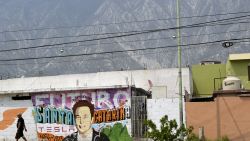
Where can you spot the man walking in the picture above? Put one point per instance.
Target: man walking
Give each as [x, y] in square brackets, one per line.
[20, 127]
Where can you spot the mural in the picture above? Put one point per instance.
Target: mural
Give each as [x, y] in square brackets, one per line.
[89, 115]
[9, 116]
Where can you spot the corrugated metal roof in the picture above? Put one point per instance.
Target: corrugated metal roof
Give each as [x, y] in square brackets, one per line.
[243, 56]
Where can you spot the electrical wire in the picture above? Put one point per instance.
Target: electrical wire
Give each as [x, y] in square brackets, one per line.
[126, 22]
[130, 34]
[99, 58]
[82, 35]
[120, 51]
[113, 56]
[110, 33]
[151, 39]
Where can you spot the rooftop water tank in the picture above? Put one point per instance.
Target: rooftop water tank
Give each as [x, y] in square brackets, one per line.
[231, 83]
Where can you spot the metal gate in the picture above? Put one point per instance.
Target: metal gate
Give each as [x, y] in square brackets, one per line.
[139, 115]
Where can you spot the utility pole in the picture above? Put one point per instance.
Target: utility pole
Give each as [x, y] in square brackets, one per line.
[179, 60]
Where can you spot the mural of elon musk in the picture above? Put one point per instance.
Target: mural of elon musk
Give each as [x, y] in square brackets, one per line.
[83, 112]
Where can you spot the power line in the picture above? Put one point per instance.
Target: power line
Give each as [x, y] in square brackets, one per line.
[154, 39]
[99, 58]
[215, 24]
[110, 33]
[213, 21]
[126, 22]
[59, 37]
[130, 34]
[120, 55]
[118, 51]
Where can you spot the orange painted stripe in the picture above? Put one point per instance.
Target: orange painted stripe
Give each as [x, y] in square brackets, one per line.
[49, 137]
[9, 116]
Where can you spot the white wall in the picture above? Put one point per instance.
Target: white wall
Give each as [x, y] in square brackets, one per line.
[139, 78]
[8, 134]
[157, 108]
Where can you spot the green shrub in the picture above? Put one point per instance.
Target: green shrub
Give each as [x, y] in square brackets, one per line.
[224, 138]
[170, 131]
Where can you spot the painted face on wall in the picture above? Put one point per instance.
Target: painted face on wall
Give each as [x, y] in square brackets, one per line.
[83, 119]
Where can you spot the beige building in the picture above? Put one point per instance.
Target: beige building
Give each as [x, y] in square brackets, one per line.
[228, 115]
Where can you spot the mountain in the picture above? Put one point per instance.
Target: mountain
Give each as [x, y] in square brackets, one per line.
[98, 16]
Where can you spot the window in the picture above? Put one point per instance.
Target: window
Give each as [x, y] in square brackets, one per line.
[21, 97]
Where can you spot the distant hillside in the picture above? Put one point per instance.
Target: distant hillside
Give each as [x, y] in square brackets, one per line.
[30, 14]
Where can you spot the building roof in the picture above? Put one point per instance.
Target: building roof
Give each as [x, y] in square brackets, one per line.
[100, 80]
[243, 56]
[241, 93]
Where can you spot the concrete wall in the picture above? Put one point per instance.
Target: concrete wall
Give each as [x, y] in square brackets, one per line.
[227, 115]
[43, 114]
[203, 78]
[139, 78]
[157, 108]
[239, 68]
[205, 74]
[8, 111]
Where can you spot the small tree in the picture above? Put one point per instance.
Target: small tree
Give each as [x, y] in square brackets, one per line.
[224, 138]
[169, 131]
